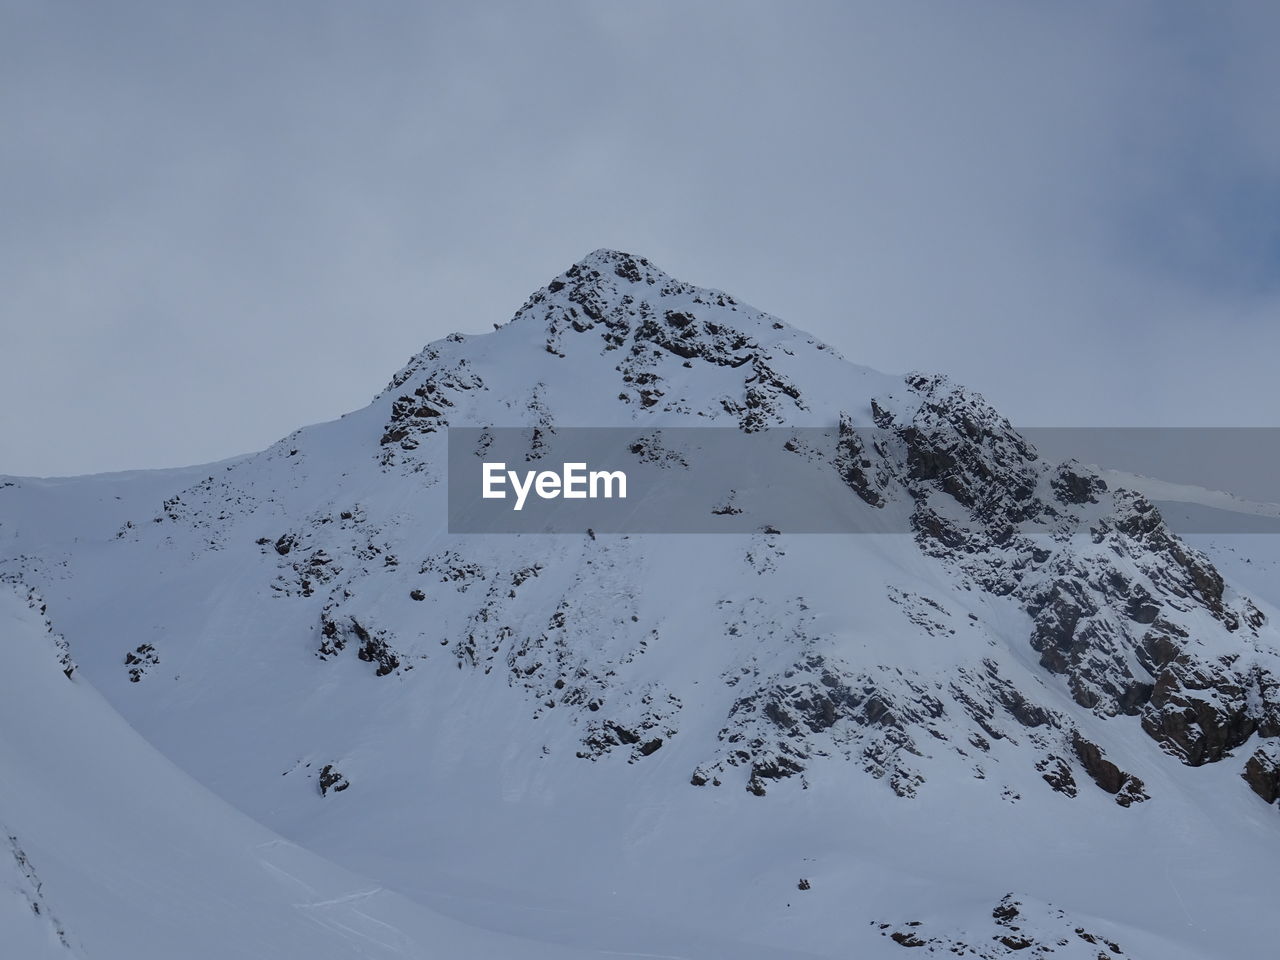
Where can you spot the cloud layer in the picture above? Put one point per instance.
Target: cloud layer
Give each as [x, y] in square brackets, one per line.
[221, 225]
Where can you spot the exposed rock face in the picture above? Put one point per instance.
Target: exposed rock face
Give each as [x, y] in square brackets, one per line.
[855, 466]
[1127, 788]
[816, 707]
[623, 299]
[1262, 771]
[372, 647]
[1118, 603]
[425, 410]
[1073, 485]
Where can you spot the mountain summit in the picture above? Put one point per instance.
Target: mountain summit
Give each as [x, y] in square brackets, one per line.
[1036, 723]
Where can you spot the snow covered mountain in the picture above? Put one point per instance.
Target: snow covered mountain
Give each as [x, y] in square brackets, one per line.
[1038, 723]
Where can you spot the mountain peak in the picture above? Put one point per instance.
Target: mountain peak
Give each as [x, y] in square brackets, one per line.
[620, 308]
[616, 339]
[630, 301]
[614, 270]
[618, 260]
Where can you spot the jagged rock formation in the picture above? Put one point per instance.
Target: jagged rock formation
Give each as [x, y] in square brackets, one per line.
[1120, 615]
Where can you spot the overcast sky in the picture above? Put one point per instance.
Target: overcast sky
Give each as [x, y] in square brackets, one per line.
[222, 221]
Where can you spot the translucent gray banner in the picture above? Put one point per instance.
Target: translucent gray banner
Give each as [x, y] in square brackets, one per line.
[814, 480]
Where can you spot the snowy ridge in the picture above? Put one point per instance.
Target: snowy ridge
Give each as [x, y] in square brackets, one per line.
[645, 744]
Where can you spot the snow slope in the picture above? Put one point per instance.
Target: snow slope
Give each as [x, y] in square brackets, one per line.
[1028, 724]
[109, 850]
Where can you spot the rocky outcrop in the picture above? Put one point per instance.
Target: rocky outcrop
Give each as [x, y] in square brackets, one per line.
[1016, 927]
[817, 707]
[625, 304]
[1262, 771]
[424, 410]
[1119, 604]
[372, 646]
[331, 780]
[140, 660]
[856, 468]
[1126, 788]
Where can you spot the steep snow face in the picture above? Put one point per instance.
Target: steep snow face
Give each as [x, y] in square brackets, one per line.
[646, 743]
[107, 850]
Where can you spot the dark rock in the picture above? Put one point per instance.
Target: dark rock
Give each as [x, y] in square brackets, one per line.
[331, 779]
[1262, 773]
[1073, 485]
[1058, 775]
[138, 661]
[855, 467]
[1127, 788]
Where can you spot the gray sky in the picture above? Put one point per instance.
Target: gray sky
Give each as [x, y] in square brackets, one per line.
[223, 221]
